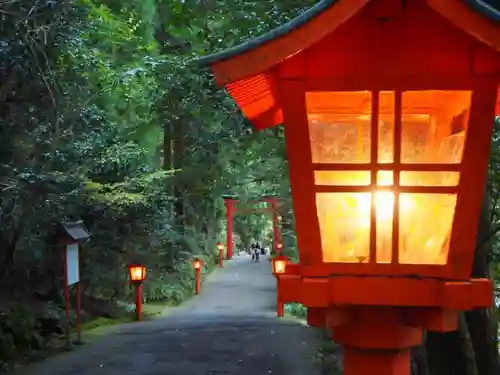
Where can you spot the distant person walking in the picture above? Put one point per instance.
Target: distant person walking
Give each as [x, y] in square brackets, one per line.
[255, 252]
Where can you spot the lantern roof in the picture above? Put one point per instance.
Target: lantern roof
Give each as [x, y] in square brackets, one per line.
[245, 69]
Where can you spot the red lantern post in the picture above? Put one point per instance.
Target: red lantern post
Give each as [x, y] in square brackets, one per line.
[279, 264]
[197, 266]
[388, 147]
[137, 275]
[220, 247]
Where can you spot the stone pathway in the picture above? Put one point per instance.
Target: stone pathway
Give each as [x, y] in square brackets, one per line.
[229, 329]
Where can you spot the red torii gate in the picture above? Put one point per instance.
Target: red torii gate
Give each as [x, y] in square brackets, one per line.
[231, 210]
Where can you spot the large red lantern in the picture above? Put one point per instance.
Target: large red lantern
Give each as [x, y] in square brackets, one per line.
[388, 120]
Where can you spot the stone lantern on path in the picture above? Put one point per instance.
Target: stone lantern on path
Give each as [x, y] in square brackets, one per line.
[388, 111]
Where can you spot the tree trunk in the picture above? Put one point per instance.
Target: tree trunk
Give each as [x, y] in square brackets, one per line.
[473, 349]
[451, 353]
[419, 361]
[483, 326]
[179, 188]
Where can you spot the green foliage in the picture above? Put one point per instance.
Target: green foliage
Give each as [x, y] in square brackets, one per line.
[329, 356]
[18, 332]
[102, 119]
[296, 309]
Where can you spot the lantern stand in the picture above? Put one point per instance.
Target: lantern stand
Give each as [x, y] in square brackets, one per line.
[220, 247]
[279, 264]
[197, 266]
[70, 234]
[137, 275]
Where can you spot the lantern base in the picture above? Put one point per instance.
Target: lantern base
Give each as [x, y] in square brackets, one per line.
[383, 291]
[376, 361]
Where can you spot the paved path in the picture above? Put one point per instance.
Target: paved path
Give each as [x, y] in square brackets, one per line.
[230, 329]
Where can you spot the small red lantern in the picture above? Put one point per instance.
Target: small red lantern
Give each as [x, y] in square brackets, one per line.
[388, 149]
[137, 275]
[220, 247]
[279, 265]
[197, 266]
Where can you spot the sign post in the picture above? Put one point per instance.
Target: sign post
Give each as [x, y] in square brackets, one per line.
[70, 235]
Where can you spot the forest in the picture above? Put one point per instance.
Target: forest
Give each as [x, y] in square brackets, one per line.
[104, 119]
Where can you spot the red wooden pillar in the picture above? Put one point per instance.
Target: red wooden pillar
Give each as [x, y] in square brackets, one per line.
[376, 362]
[229, 219]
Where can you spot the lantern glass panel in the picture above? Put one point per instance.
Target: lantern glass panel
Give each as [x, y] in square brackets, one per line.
[433, 131]
[344, 220]
[342, 178]
[433, 126]
[386, 110]
[137, 273]
[339, 126]
[424, 234]
[429, 178]
[279, 266]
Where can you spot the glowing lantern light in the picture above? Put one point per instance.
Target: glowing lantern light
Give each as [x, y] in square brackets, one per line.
[197, 266]
[220, 247]
[137, 275]
[388, 148]
[279, 264]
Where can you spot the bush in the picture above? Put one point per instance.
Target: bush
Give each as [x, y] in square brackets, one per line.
[19, 332]
[296, 309]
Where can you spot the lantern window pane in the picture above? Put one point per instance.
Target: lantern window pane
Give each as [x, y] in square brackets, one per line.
[339, 126]
[429, 178]
[434, 125]
[384, 208]
[385, 178]
[386, 114]
[344, 220]
[425, 223]
[342, 178]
